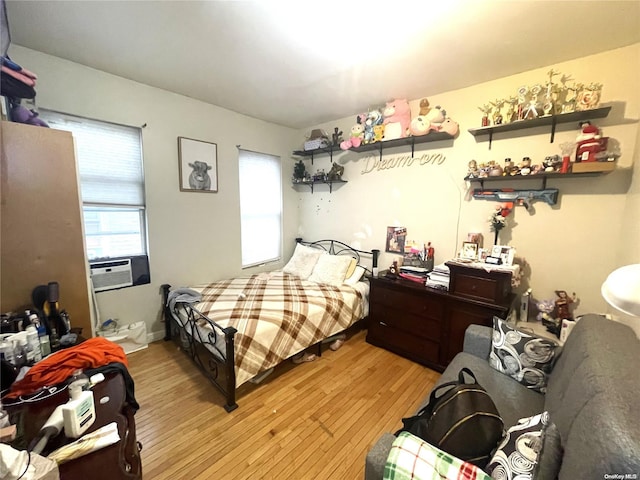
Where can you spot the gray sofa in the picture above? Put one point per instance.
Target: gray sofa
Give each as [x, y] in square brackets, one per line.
[593, 397]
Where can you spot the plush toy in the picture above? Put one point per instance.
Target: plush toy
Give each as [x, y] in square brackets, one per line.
[374, 118]
[449, 126]
[437, 114]
[378, 133]
[356, 134]
[420, 126]
[424, 107]
[21, 114]
[589, 143]
[397, 119]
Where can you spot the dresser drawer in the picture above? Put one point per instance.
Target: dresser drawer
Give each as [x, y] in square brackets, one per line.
[405, 344]
[407, 301]
[398, 318]
[492, 287]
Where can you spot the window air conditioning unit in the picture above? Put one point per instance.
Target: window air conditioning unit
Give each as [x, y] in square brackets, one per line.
[111, 274]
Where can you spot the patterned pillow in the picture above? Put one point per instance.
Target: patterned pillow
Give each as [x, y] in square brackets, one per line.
[413, 458]
[330, 269]
[524, 357]
[302, 261]
[519, 453]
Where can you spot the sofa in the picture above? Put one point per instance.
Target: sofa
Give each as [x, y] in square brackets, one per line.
[593, 398]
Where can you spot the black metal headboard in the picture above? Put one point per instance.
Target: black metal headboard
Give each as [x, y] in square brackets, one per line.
[335, 247]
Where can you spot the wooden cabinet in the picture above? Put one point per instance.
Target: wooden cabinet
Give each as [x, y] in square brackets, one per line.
[41, 237]
[425, 324]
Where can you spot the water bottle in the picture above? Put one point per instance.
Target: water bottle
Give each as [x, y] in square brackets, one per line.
[45, 346]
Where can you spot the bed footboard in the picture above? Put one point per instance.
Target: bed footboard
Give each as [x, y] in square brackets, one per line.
[209, 346]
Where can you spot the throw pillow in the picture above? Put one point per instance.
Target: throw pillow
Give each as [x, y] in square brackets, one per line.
[330, 269]
[519, 453]
[302, 261]
[413, 458]
[355, 277]
[525, 357]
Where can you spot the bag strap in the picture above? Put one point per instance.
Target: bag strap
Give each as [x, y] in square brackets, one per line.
[468, 372]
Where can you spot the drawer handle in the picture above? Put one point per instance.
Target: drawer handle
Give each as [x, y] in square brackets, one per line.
[473, 287]
[382, 324]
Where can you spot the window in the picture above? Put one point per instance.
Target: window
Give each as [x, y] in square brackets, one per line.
[111, 183]
[260, 207]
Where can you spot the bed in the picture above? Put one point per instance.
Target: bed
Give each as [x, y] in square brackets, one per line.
[237, 330]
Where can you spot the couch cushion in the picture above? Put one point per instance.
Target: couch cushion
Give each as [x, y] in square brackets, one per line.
[513, 400]
[525, 357]
[592, 398]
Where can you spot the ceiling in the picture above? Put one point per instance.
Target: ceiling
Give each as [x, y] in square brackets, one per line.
[304, 63]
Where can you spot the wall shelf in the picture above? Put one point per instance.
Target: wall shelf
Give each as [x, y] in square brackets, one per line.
[321, 182]
[400, 142]
[539, 177]
[379, 146]
[318, 151]
[552, 120]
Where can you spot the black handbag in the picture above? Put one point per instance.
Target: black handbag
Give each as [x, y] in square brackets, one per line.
[460, 419]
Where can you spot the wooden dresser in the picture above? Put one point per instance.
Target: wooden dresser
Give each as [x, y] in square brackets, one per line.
[425, 324]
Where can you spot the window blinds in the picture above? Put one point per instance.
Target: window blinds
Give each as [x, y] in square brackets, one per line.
[111, 159]
[260, 207]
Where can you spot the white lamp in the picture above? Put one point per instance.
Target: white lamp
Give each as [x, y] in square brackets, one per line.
[621, 289]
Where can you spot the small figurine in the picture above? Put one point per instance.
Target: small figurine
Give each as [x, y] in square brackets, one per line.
[393, 269]
[424, 107]
[525, 166]
[562, 305]
[485, 109]
[472, 171]
[336, 137]
[336, 172]
[299, 172]
[497, 112]
[508, 167]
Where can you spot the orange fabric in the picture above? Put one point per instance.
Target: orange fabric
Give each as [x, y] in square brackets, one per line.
[56, 368]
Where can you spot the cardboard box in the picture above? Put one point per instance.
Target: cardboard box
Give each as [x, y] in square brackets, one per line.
[592, 167]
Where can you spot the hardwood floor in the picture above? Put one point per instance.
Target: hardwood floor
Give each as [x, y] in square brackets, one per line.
[315, 420]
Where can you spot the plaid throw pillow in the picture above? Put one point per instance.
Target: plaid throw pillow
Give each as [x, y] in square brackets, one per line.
[411, 458]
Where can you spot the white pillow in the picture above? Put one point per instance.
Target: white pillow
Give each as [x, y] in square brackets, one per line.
[355, 276]
[303, 260]
[330, 269]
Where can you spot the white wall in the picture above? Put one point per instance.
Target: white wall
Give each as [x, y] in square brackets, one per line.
[570, 246]
[193, 237]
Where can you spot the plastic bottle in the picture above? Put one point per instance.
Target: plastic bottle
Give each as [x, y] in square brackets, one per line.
[79, 380]
[7, 351]
[34, 342]
[45, 346]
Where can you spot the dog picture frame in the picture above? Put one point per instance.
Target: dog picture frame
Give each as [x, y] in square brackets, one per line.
[198, 165]
[469, 250]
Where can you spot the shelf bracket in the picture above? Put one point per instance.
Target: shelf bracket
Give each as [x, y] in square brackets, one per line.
[312, 163]
[490, 140]
[381, 151]
[553, 130]
[544, 182]
[413, 144]
[330, 187]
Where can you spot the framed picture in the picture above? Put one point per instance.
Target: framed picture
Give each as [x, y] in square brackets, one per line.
[469, 250]
[396, 237]
[505, 253]
[198, 165]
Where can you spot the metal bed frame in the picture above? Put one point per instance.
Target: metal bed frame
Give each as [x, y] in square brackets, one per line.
[217, 364]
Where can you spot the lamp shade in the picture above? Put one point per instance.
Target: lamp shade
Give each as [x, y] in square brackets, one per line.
[621, 289]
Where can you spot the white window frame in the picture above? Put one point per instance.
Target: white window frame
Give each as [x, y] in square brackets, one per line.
[108, 205]
[253, 185]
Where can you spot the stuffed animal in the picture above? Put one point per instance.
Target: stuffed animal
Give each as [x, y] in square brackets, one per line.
[21, 114]
[449, 126]
[589, 142]
[437, 114]
[424, 107]
[336, 172]
[420, 126]
[356, 134]
[378, 133]
[397, 119]
[374, 118]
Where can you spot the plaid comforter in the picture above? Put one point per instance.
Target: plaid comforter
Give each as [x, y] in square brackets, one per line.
[277, 315]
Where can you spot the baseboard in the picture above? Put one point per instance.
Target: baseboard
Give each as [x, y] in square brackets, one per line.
[155, 336]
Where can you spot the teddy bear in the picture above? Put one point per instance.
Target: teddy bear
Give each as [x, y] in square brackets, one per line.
[356, 134]
[424, 107]
[397, 119]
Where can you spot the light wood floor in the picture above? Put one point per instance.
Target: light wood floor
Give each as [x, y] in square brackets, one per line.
[315, 420]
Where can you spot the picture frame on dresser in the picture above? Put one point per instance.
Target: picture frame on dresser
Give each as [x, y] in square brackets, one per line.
[469, 250]
[505, 253]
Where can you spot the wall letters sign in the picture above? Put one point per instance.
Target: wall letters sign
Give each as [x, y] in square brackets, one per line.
[373, 162]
